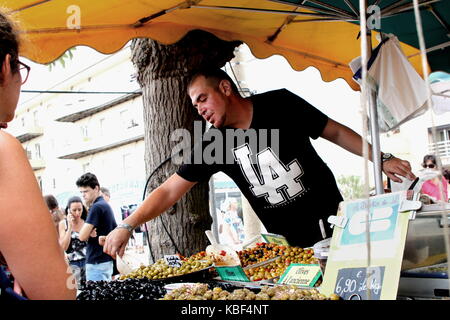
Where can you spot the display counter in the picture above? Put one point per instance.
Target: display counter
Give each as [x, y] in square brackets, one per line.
[425, 269]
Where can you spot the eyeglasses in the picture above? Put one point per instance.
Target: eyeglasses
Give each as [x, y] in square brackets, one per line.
[431, 166]
[24, 71]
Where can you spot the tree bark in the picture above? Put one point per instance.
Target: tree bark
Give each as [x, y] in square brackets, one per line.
[163, 72]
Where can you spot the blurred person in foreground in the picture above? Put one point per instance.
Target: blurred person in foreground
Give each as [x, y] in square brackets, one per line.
[28, 237]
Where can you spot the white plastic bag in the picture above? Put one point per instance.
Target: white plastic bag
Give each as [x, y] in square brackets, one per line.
[401, 92]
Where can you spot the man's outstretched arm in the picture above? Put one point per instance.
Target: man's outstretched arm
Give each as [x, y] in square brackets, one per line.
[351, 141]
[161, 199]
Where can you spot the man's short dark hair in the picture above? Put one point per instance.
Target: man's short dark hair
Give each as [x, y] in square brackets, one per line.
[51, 202]
[88, 180]
[213, 76]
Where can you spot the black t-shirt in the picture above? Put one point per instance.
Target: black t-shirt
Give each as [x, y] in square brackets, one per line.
[101, 217]
[286, 182]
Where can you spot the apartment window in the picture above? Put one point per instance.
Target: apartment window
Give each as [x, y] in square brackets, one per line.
[440, 146]
[102, 126]
[54, 183]
[37, 150]
[442, 134]
[127, 163]
[124, 118]
[29, 154]
[23, 121]
[84, 132]
[86, 167]
[36, 118]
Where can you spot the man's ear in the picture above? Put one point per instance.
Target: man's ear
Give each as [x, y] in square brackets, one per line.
[225, 87]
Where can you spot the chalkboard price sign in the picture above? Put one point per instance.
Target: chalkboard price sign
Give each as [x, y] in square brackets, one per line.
[360, 283]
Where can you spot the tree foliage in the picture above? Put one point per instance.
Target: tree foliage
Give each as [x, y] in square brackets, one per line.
[351, 187]
[68, 55]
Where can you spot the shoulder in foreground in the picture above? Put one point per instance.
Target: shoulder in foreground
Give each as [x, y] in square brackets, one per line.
[9, 144]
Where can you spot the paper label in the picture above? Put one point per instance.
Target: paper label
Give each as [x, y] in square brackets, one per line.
[275, 238]
[173, 261]
[303, 275]
[235, 273]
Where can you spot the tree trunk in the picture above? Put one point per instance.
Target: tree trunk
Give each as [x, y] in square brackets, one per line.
[163, 72]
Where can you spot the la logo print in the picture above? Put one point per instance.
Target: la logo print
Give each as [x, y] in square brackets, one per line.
[271, 179]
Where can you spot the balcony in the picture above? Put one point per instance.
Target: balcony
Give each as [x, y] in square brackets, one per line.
[442, 150]
[85, 146]
[91, 105]
[24, 134]
[37, 164]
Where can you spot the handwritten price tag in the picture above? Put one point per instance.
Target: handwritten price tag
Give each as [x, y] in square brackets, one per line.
[303, 275]
[359, 283]
[173, 261]
[275, 238]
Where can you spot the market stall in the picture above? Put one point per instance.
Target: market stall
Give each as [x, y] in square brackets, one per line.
[408, 261]
[167, 22]
[261, 272]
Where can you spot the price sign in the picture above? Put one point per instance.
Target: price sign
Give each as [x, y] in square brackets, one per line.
[360, 283]
[235, 273]
[304, 275]
[173, 261]
[275, 238]
[381, 220]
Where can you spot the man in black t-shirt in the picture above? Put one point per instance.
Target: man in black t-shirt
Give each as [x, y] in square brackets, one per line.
[100, 221]
[287, 184]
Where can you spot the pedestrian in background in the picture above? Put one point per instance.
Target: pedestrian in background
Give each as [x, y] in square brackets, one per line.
[55, 210]
[106, 194]
[432, 187]
[100, 221]
[69, 230]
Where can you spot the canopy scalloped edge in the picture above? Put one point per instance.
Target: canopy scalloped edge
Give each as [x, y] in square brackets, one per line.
[169, 33]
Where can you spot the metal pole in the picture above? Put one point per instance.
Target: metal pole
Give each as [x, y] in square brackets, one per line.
[212, 208]
[374, 129]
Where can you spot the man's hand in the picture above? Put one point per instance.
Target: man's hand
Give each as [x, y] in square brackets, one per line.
[396, 166]
[101, 240]
[93, 233]
[116, 242]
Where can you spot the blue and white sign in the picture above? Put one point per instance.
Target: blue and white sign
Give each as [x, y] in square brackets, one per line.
[383, 219]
